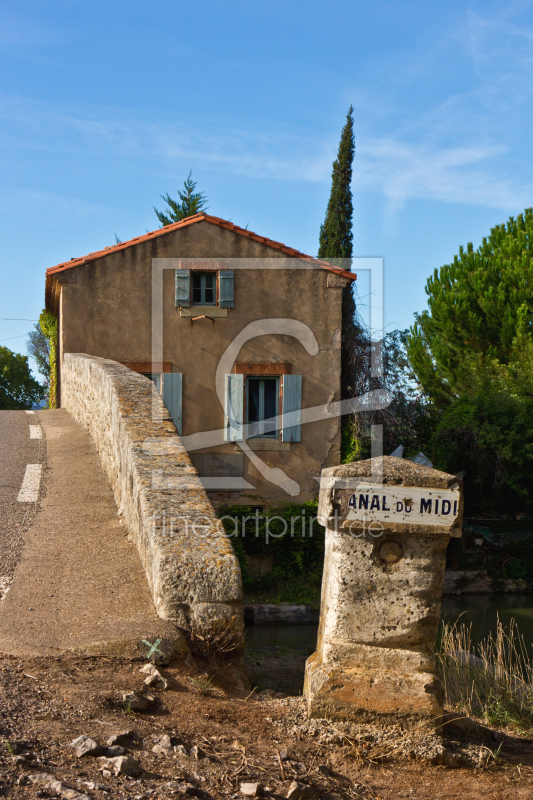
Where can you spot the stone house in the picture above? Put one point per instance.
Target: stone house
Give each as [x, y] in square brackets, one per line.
[240, 334]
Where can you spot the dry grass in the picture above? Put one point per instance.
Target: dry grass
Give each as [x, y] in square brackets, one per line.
[493, 681]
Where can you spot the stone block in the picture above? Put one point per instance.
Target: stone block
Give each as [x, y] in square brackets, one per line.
[386, 545]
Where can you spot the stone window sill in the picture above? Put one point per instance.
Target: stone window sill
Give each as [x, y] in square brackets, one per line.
[267, 444]
[200, 311]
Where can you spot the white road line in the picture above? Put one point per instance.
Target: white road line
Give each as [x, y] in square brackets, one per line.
[29, 491]
[36, 432]
[30, 412]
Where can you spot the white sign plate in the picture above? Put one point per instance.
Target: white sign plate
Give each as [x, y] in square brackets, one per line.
[403, 504]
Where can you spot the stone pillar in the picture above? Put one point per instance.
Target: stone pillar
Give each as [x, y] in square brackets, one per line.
[388, 522]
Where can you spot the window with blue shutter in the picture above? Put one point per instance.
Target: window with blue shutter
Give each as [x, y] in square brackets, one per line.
[183, 287]
[172, 397]
[233, 423]
[292, 408]
[226, 290]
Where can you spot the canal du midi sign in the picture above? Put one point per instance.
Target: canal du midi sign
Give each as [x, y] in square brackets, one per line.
[403, 504]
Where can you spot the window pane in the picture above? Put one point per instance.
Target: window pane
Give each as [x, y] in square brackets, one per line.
[209, 288]
[253, 407]
[197, 287]
[271, 400]
[262, 404]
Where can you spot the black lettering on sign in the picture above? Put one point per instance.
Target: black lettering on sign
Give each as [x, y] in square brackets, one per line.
[436, 506]
[363, 501]
[384, 507]
[455, 508]
[408, 509]
[399, 507]
[446, 507]
[425, 505]
[375, 502]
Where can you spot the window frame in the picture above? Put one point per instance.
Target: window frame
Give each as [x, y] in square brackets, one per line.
[203, 275]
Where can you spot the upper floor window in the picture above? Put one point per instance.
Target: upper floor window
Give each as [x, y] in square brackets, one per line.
[204, 288]
[196, 288]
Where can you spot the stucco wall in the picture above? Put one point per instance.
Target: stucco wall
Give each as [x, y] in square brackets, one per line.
[190, 565]
[106, 312]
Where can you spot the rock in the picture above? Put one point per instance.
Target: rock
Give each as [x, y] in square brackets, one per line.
[180, 750]
[114, 750]
[24, 762]
[300, 791]
[322, 769]
[106, 773]
[252, 789]
[92, 785]
[121, 738]
[163, 747]
[136, 702]
[197, 752]
[125, 765]
[85, 746]
[156, 681]
[465, 725]
[283, 755]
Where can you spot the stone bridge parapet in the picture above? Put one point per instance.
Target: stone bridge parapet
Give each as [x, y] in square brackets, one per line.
[192, 571]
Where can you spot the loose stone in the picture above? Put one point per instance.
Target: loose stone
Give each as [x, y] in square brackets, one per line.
[85, 746]
[252, 789]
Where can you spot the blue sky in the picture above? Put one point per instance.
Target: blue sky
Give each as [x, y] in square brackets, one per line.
[105, 106]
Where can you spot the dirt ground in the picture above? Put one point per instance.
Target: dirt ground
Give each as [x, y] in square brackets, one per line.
[46, 703]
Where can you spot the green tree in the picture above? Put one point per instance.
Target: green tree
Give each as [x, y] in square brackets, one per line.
[38, 346]
[191, 202]
[48, 328]
[336, 238]
[18, 389]
[477, 306]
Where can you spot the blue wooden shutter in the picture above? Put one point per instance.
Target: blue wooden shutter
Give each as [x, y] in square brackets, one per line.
[292, 404]
[226, 288]
[172, 397]
[183, 292]
[233, 423]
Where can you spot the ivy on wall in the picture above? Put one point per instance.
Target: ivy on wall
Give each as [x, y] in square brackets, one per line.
[48, 325]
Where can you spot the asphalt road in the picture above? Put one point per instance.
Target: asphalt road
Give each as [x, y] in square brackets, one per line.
[17, 450]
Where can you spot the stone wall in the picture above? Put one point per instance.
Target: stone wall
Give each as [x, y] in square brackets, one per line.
[190, 565]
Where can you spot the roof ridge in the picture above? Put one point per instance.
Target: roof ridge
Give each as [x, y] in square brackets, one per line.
[185, 222]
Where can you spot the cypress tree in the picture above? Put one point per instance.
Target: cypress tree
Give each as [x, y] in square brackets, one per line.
[336, 233]
[336, 239]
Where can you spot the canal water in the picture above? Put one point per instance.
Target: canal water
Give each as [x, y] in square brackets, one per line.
[276, 654]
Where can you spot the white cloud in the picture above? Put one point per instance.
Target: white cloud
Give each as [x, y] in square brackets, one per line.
[402, 171]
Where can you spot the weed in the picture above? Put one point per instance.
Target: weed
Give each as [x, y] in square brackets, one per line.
[493, 681]
[128, 709]
[222, 640]
[204, 684]
[9, 747]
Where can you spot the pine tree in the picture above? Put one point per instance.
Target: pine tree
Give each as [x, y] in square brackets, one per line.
[478, 307]
[336, 239]
[191, 203]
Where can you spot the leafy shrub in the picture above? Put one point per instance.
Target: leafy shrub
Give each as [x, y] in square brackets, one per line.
[294, 538]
